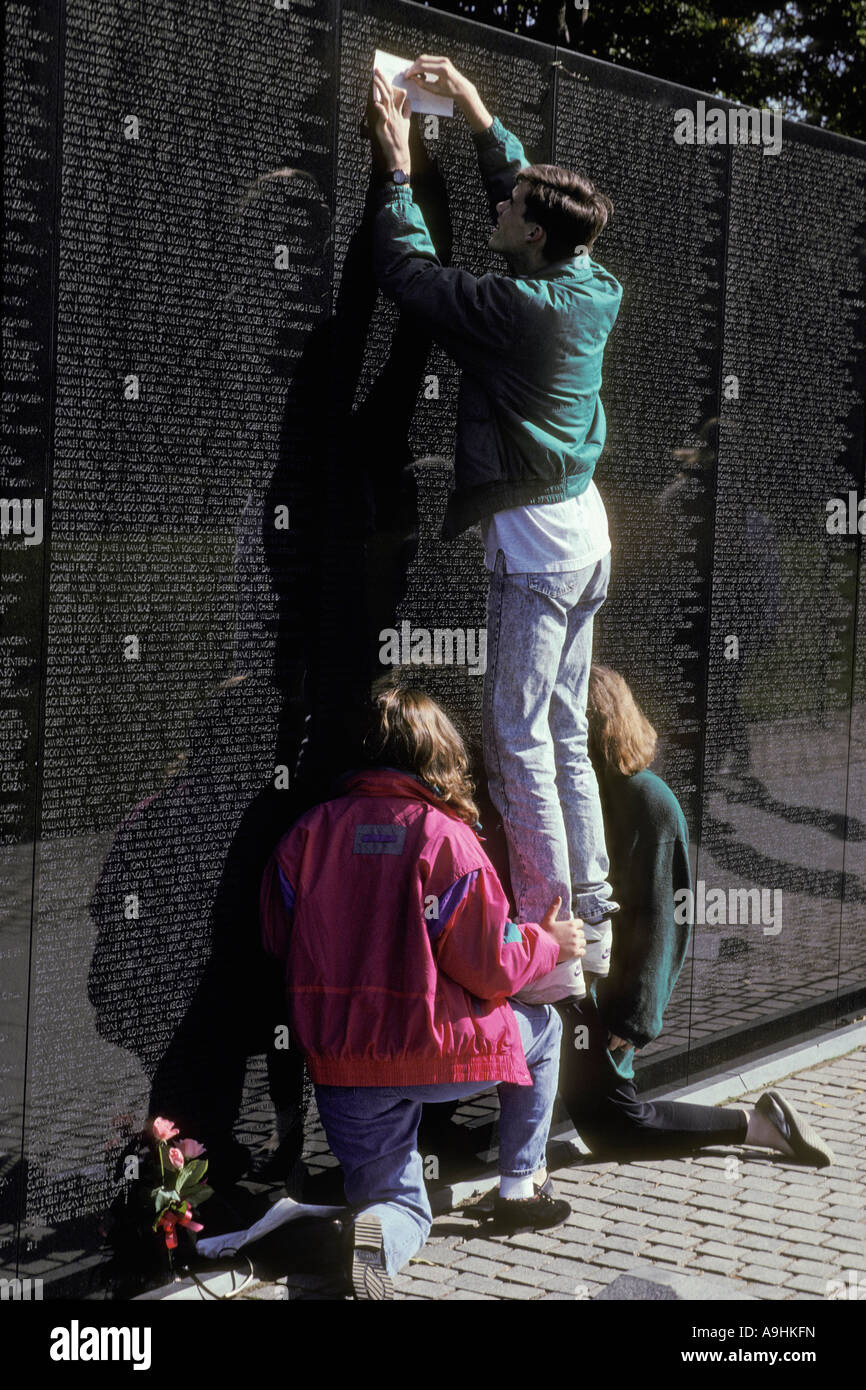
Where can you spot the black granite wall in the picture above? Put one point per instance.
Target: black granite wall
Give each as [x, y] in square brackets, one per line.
[241, 453]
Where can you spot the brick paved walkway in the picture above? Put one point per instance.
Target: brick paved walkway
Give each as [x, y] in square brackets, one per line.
[783, 1231]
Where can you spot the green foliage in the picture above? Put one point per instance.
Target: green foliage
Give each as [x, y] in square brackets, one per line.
[820, 55]
[162, 1198]
[810, 59]
[191, 1174]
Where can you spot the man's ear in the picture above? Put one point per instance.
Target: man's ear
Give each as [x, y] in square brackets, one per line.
[537, 236]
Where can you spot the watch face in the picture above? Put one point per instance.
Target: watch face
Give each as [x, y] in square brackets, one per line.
[400, 176]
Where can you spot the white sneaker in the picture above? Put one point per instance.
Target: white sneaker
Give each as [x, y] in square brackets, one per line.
[564, 981]
[599, 940]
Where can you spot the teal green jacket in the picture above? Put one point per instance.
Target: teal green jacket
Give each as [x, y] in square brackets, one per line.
[648, 846]
[530, 423]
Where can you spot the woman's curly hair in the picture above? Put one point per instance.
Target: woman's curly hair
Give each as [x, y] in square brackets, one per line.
[407, 729]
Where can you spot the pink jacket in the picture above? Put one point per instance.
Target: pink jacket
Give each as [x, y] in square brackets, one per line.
[393, 931]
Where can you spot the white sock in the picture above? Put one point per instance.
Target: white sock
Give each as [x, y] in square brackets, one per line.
[513, 1189]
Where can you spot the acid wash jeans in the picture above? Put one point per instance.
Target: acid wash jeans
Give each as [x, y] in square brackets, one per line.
[539, 651]
[373, 1131]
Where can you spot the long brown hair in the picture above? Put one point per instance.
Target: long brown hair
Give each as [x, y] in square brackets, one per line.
[620, 735]
[407, 729]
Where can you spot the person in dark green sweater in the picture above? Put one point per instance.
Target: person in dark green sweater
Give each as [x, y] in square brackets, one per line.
[648, 840]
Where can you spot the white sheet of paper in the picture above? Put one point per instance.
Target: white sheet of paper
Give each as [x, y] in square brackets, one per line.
[423, 101]
[281, 1212]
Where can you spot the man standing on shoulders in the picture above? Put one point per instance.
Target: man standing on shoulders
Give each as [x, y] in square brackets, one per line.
[530, 427]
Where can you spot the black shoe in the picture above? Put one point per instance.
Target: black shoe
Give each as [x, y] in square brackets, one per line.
[370, 1277]
[539, 1213]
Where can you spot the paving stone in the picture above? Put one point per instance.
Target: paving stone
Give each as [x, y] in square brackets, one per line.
[589, 1272]
[712, 1264]
[802, 1252]
[613, 1259]
[476, 1283]
[769, 1259]
[675, 1239]
[843, 1188]
[756, 1189]
[626, 1229]
[762, 1213]
[712, 1188]
[616, 1242]
[854, 1230]
[636, 1186]
[423, 1288]
[759, 1274]
[807, 1284]
[444, 1254]
[671, 1225]
[769, 1291]
[491, 1269]
[478, 1246]
[758, 1228]
[724, 1252]
[813, 1267]
[541, 1279]
[628, 1202]
[534, 1259]
[468, 1295]
[746, 1240]
[706, 1217]
[803, 1234]
[671, 1210]
[531, 1240]
[668, 1254]
[852, 1250]
[582, 1222]
[819, 1180]
[437, 1274]
[681, 1181]
[715, 1202]
[812, 1208]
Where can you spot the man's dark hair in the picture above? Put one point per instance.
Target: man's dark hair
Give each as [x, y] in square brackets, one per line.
[567, 205]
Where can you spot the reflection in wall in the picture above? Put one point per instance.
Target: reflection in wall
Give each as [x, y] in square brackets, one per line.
[244, 458]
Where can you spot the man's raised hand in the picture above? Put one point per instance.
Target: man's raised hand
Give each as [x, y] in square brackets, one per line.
[440, 75]
[392, 110]
[568, 934]
[443, 80]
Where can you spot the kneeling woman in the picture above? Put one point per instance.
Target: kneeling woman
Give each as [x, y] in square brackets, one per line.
[647, 843]
[399, 957]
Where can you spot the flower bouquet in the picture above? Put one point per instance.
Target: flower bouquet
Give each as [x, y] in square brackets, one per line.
[180, 1183]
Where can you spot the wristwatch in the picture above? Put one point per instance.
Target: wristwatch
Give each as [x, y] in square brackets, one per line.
[398, 176]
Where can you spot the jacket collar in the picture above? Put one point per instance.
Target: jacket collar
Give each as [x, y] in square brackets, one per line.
[393, 782]
[576, 266]
[572, 268]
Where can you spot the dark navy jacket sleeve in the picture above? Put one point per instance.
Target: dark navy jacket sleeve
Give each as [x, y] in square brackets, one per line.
[476, 319]
[470, 316]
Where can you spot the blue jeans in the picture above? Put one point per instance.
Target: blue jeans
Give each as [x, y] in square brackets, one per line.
[539, 651]
[373, 1131]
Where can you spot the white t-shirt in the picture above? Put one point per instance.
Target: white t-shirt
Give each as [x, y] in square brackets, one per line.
[549, 538]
